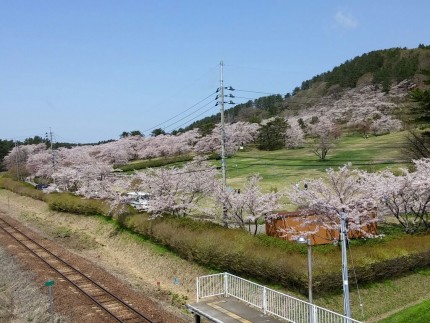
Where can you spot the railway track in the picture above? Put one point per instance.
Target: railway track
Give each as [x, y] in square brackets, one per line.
[115, 307]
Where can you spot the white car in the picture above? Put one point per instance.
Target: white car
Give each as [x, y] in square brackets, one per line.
[139, 200]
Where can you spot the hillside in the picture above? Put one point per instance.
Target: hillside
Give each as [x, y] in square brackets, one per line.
[376, 79]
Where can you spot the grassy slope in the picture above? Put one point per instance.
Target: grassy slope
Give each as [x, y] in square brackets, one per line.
[419, 313]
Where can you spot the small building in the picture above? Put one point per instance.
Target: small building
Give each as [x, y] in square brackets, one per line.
[284, 222]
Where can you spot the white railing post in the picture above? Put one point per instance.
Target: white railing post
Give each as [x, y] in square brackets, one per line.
[225, 284]
[264, 300]
[198, 288]
[313, 313]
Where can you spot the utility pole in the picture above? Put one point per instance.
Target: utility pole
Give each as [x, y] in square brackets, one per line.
[17, 159]
[52, 150]
[221, 96]
[344, 237]
[223, 166]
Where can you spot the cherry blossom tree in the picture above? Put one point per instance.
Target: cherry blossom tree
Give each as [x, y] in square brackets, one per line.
[406, 197]
[294, 136]
[40, 164]
[236, 135]
[16, 160]
[247, 206]
[176, 190]
[325, 133]
[385, 124]
[322, 200]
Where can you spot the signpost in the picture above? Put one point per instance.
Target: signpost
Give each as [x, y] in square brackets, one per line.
[49, 284]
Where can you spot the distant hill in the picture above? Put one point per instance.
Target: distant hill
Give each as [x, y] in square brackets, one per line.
[378, 71]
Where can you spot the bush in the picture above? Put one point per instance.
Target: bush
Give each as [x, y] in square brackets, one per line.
[22, 188]
[267, 259]
[274, 260]
[154, 163]
[66, 202]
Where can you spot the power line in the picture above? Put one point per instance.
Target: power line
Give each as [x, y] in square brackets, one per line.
[191, 107]
[259, 92]
[197, 116]
[192, 113]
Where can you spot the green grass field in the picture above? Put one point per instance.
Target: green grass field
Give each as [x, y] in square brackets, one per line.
[419, 313]
[282, 168]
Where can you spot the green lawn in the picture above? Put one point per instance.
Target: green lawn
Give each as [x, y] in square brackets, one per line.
[284, 167]
[419, 313]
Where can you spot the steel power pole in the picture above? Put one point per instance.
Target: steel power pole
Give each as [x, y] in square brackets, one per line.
[17, 159]
[223, 166]
[52, 149]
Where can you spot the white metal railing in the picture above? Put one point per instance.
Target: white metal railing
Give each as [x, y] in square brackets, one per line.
[268, 300]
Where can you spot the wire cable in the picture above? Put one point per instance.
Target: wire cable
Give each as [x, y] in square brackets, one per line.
[258, 92]
[186, 110]
[182, 125]
[188, 115]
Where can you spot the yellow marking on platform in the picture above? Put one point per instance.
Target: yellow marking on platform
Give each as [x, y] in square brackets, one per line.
[223, 310]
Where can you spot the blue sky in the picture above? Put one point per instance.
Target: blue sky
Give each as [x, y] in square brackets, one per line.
[93, 69]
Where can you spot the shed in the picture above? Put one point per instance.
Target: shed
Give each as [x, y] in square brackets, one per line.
[294, 220]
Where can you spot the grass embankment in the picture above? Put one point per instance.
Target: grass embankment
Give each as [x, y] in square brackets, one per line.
[378, 297]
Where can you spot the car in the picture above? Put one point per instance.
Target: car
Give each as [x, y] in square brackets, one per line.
[41, 186]
[139, 200]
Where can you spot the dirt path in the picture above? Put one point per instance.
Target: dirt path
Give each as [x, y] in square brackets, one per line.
[146, 268]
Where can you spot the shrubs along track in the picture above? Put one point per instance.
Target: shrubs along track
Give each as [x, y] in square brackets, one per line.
[266, 259]
[275, 261]
[62, 202]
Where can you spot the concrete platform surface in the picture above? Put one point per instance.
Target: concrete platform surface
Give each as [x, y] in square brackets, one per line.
[230, 310]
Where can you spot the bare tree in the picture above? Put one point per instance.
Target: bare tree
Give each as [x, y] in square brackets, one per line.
[324, 133]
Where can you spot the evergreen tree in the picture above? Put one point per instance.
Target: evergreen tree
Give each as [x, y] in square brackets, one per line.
[272, 134]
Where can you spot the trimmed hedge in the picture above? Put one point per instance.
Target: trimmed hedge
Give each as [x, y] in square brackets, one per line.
[277, 261]
[65, 202]
[154, 163]
[22, 188]
[62, 202]
[161, 162]
[232, 250]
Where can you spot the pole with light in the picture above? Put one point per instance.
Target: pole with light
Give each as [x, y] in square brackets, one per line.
[307, 241]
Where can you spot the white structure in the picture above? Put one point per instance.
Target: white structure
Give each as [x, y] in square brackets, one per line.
[139, 200]
[269, 301]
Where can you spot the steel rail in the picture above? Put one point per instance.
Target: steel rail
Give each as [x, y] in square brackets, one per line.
[76, 271]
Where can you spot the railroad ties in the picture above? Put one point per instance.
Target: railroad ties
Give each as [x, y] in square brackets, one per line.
[116, 308]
